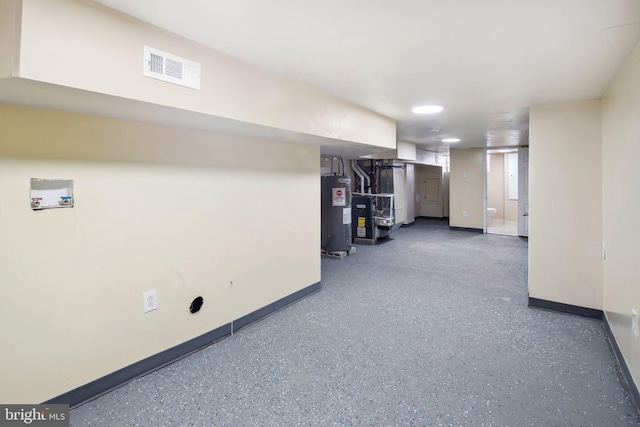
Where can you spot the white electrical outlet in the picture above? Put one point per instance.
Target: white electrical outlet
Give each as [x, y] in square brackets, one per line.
[634, 322]
[150, 301]
[464, 214]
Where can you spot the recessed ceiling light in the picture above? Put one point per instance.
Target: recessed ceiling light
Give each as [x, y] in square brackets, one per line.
[427, 109]
[451, 140]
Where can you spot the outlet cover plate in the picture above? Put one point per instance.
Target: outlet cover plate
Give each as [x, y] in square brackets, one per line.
[150, 301]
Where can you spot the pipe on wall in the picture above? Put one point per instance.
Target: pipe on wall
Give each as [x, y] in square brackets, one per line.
[360, 174]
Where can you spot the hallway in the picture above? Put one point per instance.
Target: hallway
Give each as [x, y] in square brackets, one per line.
[430, 328]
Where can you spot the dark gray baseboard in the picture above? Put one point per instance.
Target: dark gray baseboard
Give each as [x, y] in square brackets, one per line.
[566, 308]
[627, 378]
[474, 230]
[624, 368]
[97, 388]
[265, 311]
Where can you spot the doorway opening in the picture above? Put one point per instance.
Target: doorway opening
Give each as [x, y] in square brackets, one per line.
[502, 191]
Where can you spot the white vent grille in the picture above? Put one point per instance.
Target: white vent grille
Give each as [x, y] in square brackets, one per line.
[171, 68]
[156, 64]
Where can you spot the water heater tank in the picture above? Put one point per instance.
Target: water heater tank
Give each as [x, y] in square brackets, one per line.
[336, 213]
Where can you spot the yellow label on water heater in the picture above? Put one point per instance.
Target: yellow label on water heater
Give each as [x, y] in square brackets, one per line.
[361, 220]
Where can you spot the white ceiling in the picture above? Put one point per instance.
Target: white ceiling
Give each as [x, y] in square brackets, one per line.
[485, 61]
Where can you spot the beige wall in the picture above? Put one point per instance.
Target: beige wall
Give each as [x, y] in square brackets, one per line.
[466, 193]
[511, 210]
[184, 212]
[498, 190]
[565, 183]
[621, 204]
[83, 45]
[495, 185]
[404, 151]
[9, 36]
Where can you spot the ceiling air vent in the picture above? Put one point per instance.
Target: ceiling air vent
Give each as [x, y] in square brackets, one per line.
[171, 68]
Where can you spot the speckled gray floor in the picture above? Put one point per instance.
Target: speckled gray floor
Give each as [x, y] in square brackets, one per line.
[430, 328]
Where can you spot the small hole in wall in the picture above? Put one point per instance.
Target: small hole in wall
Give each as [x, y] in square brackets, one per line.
[196, 305]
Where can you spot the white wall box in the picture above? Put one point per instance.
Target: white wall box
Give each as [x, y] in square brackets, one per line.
[51, 193]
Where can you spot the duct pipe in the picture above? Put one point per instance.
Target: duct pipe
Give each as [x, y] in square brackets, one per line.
[341, 164]
[358, 172]
[363, 173]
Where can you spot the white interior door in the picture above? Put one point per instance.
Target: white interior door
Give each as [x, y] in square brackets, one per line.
[523, 192]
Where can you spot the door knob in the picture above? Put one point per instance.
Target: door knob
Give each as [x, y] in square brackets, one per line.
[525, 214]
